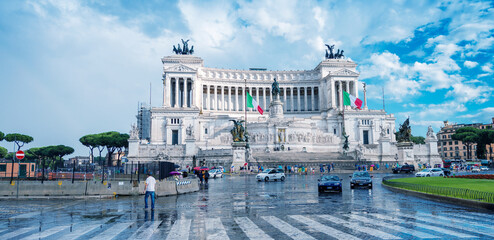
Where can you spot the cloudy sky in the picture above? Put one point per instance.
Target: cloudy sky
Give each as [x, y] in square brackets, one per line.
[70, 68]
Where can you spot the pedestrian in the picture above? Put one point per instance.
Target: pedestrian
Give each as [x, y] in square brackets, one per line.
[199, 175]
[149, 190]
[206, 176]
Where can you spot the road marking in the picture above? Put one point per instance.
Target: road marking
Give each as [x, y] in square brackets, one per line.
[146, 230]
[250, 229]
[113, 231]
[436, 229]
[397, 228]
[357, 227]
[83, 229]
[180, 230]
[46, 233]
[215, 229]
[18, 232]
[456, 220]
[323, 228]
[286, 228]
[26, 215]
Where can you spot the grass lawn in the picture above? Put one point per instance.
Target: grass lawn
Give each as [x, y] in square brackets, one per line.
[484, 185]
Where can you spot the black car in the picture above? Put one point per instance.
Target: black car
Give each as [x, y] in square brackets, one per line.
[361, 179]
[446, 171]
[329, 183]
[405, 168]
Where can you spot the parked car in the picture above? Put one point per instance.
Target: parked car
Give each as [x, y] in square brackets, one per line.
[361, 179]
[484, 168]
[430, 172]
[405, 168]
[214, 173]
[271, 174]
[446, 171]
[475, 169]
[329, 183]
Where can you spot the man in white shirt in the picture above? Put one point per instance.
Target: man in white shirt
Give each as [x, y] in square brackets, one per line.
[149, 189]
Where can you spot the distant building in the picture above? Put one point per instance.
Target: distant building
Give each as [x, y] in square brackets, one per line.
[79, 160]
[453, 149]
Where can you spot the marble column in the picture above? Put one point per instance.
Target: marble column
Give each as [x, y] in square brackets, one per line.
[257, 96]
[292, 98]
[222, 104]
[215, 99]
[229, 98]
[208, 97]
[305, 99]
[284, 99]
[177, 82]
[312, 107]
[243, 99]
[298, 99]
[185, 95]
[264, 98]
[333, 94]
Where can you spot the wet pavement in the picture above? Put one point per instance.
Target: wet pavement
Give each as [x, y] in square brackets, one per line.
[239, 207]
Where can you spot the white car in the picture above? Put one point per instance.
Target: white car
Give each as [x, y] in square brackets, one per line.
[430, 172]
[484, 168]
[215, 173]
[271, 174]
[475, 169]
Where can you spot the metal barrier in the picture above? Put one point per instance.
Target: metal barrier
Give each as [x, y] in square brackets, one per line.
[443, 191]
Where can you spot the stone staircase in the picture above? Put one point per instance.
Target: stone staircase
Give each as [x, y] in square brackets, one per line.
[303, 158]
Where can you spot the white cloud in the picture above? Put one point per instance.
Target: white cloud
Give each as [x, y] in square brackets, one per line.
[487, 68]
[465, 93]
[470, 64]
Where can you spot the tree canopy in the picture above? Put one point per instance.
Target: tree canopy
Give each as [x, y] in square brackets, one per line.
[2, 135]
[3, 152]
[417, 140]
[471, 135]
[18, 139]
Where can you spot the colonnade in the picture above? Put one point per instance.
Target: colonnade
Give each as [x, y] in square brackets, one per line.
[232, 98]
[338, 87]
[178, 92]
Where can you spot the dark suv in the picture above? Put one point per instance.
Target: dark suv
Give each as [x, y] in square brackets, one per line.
[361, 179]
[405, 168]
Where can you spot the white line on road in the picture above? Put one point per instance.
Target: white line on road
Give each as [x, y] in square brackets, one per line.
[215, 229]
[79, 231]
[18, 232]
[397, 228]
[46, 233]
[113, 231]
[433, 228]
[323, 228]
[250, 229]
[455, 222]
[180, 230]
[146, 230]
[286, 228]
[357, 227]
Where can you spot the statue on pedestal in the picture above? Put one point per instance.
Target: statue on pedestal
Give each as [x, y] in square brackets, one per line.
[238, 131]
[405, 132]
[275, 88]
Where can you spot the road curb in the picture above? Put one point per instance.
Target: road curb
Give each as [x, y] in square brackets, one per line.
[451, 200]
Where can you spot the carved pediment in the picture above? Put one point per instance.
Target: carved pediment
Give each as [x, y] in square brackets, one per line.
[180, 68]
[345, 72]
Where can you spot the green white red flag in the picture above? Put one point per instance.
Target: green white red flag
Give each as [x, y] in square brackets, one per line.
[350, 100]
[251, 103]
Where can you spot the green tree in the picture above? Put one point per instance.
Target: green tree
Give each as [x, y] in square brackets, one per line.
[89, 141]
[3, 152]
[122, 145]
[471, 135]
[18, 139]
[110, 140]
[418, 140]
[2, 135]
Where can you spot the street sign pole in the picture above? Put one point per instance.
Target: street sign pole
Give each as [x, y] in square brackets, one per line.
[19, 155]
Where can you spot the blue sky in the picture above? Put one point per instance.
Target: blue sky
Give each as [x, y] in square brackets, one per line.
[71, 68]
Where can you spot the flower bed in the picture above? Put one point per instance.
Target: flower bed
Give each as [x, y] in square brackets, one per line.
[474, 176]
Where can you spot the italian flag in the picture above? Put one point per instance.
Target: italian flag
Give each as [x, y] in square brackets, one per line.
[251, 103]
[350, 100]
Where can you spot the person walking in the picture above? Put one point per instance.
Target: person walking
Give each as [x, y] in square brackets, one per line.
[199, 175]
[149, 190]
[206, 176]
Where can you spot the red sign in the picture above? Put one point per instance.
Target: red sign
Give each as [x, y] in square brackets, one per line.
[19, 154]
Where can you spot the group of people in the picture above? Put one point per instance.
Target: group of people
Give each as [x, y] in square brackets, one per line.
[365, 167]
[203, 175]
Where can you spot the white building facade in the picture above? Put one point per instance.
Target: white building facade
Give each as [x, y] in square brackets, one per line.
[199, 102]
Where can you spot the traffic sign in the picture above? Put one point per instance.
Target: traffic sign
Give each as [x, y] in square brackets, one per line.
[19, 154]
